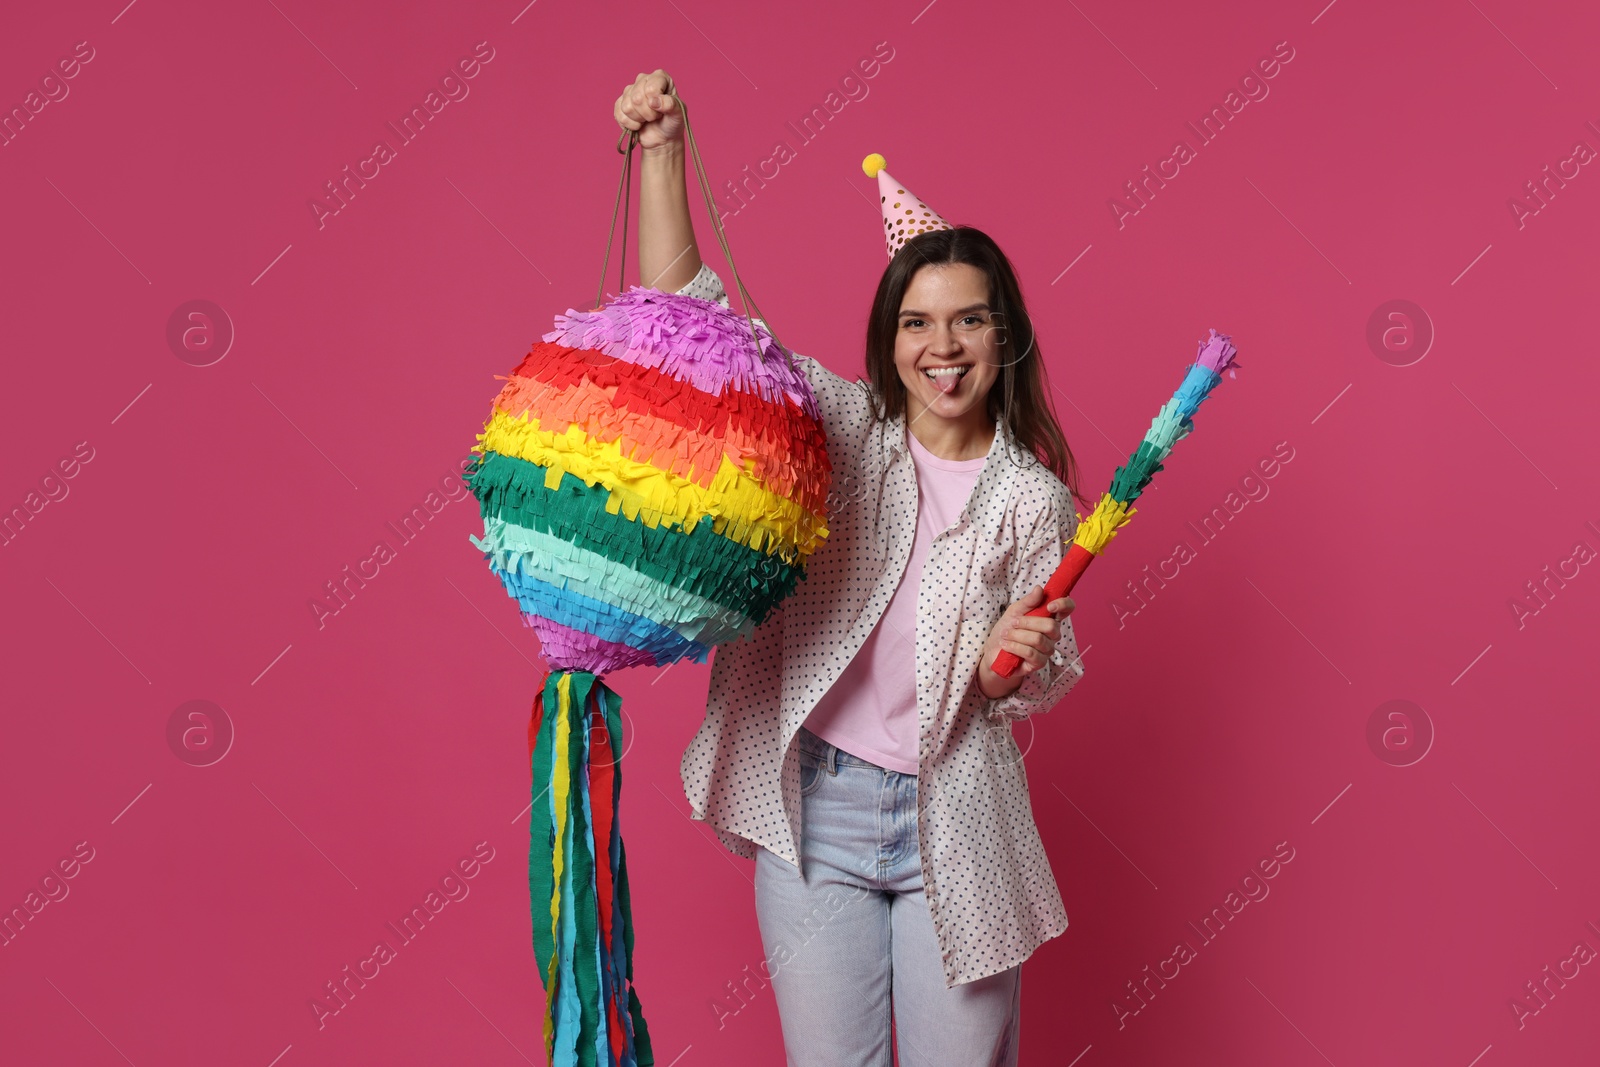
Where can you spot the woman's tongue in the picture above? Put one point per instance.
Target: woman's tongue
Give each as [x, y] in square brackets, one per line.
[946, 383]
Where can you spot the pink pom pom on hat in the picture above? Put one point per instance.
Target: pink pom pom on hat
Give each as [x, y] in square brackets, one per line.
[904, 214]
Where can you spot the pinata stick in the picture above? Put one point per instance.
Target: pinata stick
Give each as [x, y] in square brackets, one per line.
[1171, 425]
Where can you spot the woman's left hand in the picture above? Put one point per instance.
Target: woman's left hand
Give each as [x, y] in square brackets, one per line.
[1033, 638]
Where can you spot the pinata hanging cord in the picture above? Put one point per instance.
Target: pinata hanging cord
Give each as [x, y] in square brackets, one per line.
[625, 145]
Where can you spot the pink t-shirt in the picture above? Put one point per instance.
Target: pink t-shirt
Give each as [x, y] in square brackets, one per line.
[871, 711]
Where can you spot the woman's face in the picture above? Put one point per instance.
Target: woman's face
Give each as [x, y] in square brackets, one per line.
[946, 346]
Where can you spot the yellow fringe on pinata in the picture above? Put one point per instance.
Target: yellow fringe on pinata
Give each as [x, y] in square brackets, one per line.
[1096, 532]
[738, 505]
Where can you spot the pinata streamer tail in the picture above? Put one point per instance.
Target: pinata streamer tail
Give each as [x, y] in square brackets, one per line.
[578, 877]
[1171, 425]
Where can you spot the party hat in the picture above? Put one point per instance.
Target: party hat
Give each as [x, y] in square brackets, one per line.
[904, 215]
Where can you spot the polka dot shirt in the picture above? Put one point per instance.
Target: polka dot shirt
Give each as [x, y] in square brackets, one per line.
[989, 886]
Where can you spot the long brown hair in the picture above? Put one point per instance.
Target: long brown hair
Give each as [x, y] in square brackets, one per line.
[1022, 394]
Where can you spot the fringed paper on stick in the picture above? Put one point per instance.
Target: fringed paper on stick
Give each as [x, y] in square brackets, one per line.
[1172, 424]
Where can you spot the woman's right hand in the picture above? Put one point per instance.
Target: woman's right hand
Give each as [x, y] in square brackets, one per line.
[647, 107]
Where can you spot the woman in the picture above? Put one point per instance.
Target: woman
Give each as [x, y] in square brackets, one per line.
[857, 745]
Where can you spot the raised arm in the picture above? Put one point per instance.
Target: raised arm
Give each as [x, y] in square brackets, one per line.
[668, 255]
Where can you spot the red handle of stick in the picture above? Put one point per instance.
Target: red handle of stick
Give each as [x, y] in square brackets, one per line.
[1060, 584]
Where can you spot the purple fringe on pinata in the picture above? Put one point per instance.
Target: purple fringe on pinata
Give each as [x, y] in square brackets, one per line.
[691, 340]
[571, 649]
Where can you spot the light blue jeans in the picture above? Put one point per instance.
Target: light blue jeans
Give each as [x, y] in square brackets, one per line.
[849, 938]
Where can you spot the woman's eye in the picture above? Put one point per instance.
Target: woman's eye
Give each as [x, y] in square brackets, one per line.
[976, 320]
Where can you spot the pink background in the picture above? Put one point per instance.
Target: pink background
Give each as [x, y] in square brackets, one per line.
[1230, 713]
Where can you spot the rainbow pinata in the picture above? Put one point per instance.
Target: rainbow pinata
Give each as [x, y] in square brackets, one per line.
[651, 483]
[652, 478]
